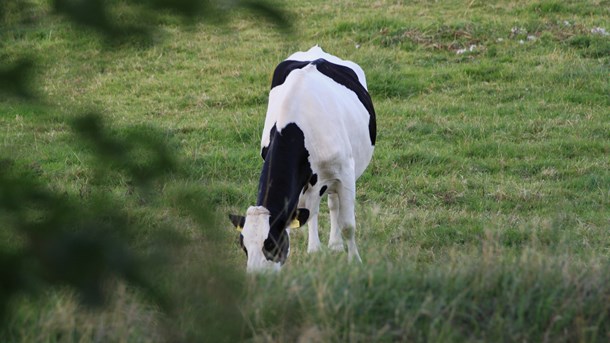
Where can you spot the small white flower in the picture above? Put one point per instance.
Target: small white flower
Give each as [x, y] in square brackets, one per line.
[531, 37]
[470, 49]
[521, 41]
[566, 23]
[599, 31]
[357, 46]
[500, 39]
[517, 31]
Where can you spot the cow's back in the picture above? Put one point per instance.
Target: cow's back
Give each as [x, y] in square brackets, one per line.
[317, 53]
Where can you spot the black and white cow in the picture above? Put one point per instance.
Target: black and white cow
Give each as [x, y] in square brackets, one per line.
[318, 138]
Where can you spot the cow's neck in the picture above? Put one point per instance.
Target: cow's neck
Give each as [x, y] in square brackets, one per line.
[285, 172]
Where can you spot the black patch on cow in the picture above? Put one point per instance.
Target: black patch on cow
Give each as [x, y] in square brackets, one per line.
[313, 179]
[276, 250]
[238, 221]
[341, 74]
[348, 78]
[241, 243]
[285, 173]
[322, 190]
[266, 148]
[284, 69]
[301, 216]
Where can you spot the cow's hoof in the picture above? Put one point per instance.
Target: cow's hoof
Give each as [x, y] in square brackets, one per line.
[337, 246]
[313, 250]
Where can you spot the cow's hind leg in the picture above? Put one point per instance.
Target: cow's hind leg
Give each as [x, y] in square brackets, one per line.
[347, 214]
[335, 242]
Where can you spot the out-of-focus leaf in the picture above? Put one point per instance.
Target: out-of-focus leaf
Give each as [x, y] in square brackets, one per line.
[142, 155]
[85, 241]
[90, 13]
[269, 11]
[15, 80]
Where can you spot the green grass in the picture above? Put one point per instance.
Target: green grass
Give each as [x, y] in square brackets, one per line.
[483, 216]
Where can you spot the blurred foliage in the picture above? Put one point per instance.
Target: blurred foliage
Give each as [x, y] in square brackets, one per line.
[14, 79]
[85, 242]
[69, 240]
[103, 17]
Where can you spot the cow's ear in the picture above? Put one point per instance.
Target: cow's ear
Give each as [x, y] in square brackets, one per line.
[300, 218]
[238, 221]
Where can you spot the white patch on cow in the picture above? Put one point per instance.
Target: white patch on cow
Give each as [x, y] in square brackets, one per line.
[283, 94]
[254, 234]
[307, 98]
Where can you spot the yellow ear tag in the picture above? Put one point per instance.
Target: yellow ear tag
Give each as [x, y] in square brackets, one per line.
[295, 224]
[239, 228]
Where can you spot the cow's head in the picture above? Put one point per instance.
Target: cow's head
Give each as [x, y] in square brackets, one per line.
[264, 248]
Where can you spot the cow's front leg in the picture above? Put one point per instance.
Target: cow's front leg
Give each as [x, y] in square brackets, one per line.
[313, 243]
[311, 201]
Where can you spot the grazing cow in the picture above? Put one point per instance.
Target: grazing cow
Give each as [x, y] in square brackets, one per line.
[318, 138]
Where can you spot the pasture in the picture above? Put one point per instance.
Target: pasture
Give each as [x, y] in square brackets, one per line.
[484, 215]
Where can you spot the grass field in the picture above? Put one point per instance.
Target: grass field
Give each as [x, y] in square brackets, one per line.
[484, 215]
